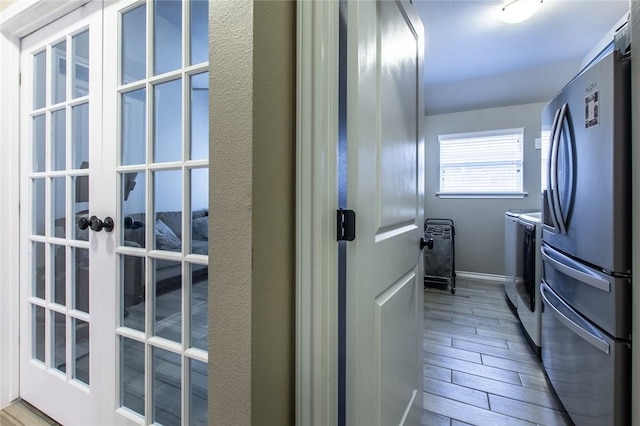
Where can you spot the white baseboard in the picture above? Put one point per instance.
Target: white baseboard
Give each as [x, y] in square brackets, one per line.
[481, 276]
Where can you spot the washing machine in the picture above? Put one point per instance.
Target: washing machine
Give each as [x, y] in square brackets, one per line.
[527, 286]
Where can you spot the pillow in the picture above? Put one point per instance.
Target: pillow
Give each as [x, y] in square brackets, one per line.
[166, 239]
[200, 228]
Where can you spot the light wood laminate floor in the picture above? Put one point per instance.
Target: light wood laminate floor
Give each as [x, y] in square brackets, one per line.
[478, 367]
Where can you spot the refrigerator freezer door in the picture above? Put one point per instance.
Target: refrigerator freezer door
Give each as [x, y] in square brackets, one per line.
[590, 167]
[604, 299]
[588, 369]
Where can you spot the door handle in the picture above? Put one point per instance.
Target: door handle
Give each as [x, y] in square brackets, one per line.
[426, 243]
[96, 224]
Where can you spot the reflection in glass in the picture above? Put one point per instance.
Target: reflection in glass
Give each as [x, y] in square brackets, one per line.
[80, 136]
[81, 64]
[199, 31]
[38, 333]
[58, 195]
[134, 127]
[58, 139]
[39, 269]
[167, 128]
[132, 375]
[39, 80]
[58, 253]
[59, 72]
[168, 300]
[80, 191]
[200, 211]
[167, 385]
[134, 44]
[80, 263]
[38, 206]
[133, 291]
[59, 337]
[199, 307]
[38, 143]
[133, 209]
[199, 116]
[199, 392]
[167, 36]
[81, 350]
[168, 209]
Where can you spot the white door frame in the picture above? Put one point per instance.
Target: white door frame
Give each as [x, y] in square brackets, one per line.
[316, 204]
[16, 21]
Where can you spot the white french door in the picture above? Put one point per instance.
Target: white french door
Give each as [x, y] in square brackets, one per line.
[114, 224]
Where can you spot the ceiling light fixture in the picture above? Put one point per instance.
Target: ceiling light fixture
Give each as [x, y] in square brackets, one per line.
[519, 10]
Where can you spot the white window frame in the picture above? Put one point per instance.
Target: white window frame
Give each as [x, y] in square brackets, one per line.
[483, 193]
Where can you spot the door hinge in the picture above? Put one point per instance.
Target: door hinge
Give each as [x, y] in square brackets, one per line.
[346, 225]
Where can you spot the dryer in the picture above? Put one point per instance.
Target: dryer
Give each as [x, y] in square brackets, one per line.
[529, 304]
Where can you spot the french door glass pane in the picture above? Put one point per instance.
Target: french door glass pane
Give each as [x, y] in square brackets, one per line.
[80, 191]
[199, 307]
[58, 254]
[80, 136]
[167, 385]
[134, 128]
[39, 80]
[38, 206]
[132, 387]
[38, 143]
[168, 300]
[133, 202]
[167, 135]
[133, 297]
[199, 35]
[59, 338]
[58, 139]
[59, 72]
[168, 208]
[59, 205]
[199, 210]
[39, 269]
[167, 36]
[199, 108]
[81, 350]
[38, 322]
[81, 64]
[199, 392]
[134, 43]
[81, 278]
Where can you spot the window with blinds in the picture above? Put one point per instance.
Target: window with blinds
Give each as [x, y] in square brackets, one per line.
[482, 164]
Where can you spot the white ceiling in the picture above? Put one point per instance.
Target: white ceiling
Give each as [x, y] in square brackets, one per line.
[473, 61]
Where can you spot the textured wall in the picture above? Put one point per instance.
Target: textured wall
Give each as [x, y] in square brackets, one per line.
[273, 278]
[252, 258]
[230, 190]
[479, 240]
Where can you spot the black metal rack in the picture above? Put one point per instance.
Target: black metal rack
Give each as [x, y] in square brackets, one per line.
[439, 254]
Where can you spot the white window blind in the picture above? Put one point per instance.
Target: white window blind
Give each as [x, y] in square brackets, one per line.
[482, 163]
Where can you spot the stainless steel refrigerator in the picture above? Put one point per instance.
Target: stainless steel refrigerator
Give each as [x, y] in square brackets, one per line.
[586, 251]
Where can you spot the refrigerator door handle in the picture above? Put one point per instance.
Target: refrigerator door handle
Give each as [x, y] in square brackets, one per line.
[557, 209]
[582, 276]
[588, 337]
[550, 166]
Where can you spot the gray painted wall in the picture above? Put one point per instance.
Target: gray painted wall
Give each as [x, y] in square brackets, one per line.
[479, 223]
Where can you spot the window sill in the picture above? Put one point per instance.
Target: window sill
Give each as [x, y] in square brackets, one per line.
[486, 195]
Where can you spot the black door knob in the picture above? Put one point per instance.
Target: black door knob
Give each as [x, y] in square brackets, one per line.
[98, 225]
[83, 223]
[108, 224]
[426, 243]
